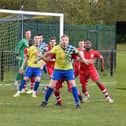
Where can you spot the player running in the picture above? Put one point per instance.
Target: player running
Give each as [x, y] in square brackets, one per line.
[89, 71]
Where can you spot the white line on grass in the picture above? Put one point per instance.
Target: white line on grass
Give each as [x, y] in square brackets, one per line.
[107, 83]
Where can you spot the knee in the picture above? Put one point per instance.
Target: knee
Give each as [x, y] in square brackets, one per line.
[26, 78]
[37, 79]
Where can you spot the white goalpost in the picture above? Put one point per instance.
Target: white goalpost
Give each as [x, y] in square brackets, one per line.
[13, 26]
[60, 15]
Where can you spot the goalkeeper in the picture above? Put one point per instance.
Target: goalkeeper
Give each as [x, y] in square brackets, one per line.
[20, 55]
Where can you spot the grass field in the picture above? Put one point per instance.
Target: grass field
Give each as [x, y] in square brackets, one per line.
[25, 111]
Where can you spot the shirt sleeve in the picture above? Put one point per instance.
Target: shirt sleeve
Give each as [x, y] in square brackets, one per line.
[25, 52]
[97, 54]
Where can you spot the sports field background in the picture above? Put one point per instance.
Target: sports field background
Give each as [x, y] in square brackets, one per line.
[25, 110]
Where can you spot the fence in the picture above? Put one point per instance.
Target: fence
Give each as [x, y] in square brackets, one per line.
[102, 37]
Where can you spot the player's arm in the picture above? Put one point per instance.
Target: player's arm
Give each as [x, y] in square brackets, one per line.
[100, 57]
[20, 44]
[82, 59]
[44, 57]
[22, 66]
[102, 63]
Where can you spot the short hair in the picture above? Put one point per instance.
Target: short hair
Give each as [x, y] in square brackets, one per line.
[30, 42]
[64, 36]
[40, 34]
[52, 38]
[27, 30]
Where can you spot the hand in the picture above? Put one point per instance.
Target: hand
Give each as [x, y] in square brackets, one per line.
[21, 70]
[102, 69]
[35, 62]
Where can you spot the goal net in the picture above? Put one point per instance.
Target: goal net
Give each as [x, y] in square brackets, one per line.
[12, 28]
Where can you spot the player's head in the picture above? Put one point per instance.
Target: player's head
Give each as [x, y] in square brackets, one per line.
[41, 37]
[64, 41]
[28, 34]
[81, 44]
[30, 42]
[52, 41]
[88, 44]
[36, 40]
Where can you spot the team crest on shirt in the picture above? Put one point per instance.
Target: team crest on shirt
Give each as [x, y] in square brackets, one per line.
[92, 55]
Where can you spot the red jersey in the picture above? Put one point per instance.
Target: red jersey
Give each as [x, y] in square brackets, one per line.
[51, 56]
[50, 65]
[92, 54]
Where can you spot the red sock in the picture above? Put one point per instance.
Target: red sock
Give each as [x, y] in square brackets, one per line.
[57, 94]
[85, 92]
[104, 90]
[32, 83]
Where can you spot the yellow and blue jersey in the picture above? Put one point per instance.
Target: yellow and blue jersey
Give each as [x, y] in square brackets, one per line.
[32, 57]
[63, 56]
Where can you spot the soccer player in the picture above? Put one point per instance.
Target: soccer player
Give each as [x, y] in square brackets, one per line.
[50, 64]
[20, 54]
[22, 70]
[75, 60]
[76, 73]
[34, 52]
[63, 68]
[89, 71]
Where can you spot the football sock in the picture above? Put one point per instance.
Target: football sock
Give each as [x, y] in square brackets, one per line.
[36, 86]
[23, 82]
[104, 90]
[75, 94]
[48, 94]
[58, 98]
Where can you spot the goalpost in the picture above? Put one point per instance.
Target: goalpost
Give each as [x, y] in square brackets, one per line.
[60, 15]
[12, 30]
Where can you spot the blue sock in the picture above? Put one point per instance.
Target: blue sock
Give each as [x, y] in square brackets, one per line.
[23, 82]
[75, 94]
[36, 86]
[48, 94]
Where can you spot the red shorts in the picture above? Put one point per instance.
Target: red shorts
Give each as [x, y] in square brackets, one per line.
[76, 69]
[50, 69]
[85, 75]
[59, 84]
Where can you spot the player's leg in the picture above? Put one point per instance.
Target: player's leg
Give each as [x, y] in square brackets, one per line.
[18, 77]
[31, 85]
[83, 81]
[37, 73]
[57, 75]
[48, 92]
[95, 77]
[69, 75]
[27, 75]
[57, 92]
[17, 80]
[70, 90]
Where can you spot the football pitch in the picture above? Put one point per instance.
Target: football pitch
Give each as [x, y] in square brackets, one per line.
[25, 110]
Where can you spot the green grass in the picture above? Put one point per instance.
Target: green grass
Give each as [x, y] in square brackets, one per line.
[25, 111]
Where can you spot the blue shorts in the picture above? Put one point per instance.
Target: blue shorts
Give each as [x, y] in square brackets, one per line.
[30, 71]
[66, 74]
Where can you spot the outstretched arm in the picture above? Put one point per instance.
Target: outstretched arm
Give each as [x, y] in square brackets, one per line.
[44, 57]
[102, 63]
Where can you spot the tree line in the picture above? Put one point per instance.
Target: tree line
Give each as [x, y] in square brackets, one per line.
[75, 11]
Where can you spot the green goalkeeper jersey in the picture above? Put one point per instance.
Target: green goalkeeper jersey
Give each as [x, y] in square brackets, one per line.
[20, 48]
